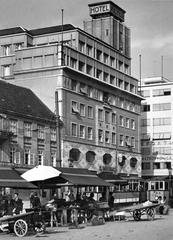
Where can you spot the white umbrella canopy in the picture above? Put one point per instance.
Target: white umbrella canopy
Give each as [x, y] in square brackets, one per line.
[40, 173]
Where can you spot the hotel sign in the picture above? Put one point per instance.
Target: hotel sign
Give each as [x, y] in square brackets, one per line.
[110, 8]
[100, 9]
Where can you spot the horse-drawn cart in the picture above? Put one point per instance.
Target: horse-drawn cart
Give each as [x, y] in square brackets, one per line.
[141, 209]
[20, 224]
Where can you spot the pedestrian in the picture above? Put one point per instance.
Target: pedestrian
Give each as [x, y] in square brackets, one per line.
[111, 201]
[18, 204]
[36, 204]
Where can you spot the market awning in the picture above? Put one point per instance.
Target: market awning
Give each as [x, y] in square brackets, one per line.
[82, 177]
[11, 178]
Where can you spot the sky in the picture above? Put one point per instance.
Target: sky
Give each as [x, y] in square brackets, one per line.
[150, 21]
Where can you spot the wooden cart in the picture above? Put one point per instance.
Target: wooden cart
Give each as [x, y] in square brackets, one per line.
[141, 209]
[20, 224]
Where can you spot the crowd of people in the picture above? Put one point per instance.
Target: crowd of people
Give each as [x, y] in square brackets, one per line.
[10, 205]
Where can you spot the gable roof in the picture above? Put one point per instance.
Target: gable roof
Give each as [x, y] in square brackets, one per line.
[22, 101]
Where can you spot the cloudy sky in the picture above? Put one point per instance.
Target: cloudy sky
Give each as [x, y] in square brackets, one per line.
[150, 21]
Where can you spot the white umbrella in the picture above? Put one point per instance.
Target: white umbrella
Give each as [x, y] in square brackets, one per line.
[40, 173]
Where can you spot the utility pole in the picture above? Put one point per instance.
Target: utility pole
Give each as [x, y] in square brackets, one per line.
[58, 133]
[140, 73]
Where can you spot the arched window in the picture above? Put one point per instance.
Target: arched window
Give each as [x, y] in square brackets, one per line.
[74, 154]
[133, 162]
[122, 160]
[90, 156]
[107, 158]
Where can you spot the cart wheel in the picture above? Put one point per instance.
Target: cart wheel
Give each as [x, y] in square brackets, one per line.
[150, 213]
[20, 228]
[137, 215]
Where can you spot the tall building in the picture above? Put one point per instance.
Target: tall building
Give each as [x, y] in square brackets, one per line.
[156, 127]
[90, 71]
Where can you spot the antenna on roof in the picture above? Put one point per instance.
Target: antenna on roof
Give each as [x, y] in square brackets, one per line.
[140, 75]
[161, 67]
[62, 32]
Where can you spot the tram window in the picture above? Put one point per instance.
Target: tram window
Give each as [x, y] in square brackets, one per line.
[161, 185]
[157, 185]
[166, 185]
[152, 186]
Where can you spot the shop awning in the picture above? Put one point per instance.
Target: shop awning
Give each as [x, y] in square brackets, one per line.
[11, 178]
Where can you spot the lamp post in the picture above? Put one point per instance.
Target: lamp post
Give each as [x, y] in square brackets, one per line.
[170, 182]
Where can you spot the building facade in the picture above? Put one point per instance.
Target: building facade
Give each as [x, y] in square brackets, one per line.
[156, 127]
[90, 71]
[27, 129]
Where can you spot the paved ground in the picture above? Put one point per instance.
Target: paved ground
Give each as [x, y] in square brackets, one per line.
[159, 229]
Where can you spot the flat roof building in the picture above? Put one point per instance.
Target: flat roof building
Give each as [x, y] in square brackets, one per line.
[90, 71]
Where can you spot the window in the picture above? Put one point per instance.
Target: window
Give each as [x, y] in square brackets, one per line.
[107, 32]
[121, 102]
[156, 165]
[90, 133]
[161, 92]
[107, 117]
[162, 150]
[53, 134]
[112, 62]
[113, 138]
[90, 112]
[27, 129]
[98, 55]
[105, 76]
[90, 91]
[41, 132]
[113, 118]
[107, 137]
[162, 135]
[100, 135]
[89, 69]
[74, 154]
[73, 63]
[90, 156]
[81, 46]
[18, 46]
[81, 66]
[40, 157]
[133, 142]
[82, 131]
[7, 50]
[89, 50]
[132, 88]
[82, 110]
[112, 80]
[145, 136]
[121, 119]
[126, 86]
[100, 114]
[75, 109]
[120, 83]
[145, 122]
[161, 106]
[161, 121]
[12, 154]
[74, 129]
[121, 140]
[107, 158]
[53, 158]
[13, 126]
[7, 70]
[105, 58]
[145, 166]
[126, 68]
[27, 156]
[99, 74]
[145, 93]
[73, 85]
[146, 151]
[127, 123]
[133, 124]
[146, 108]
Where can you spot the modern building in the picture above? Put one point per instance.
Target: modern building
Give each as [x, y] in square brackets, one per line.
[90, 71]
[27, 129]
[157, 132]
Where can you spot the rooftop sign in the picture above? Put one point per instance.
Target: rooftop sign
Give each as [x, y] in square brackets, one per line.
[108, 7]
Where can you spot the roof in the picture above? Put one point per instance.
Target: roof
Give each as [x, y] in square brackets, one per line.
[52, 29]
[10, 178]
[111, 177]
[22, 101]
[14, 30]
